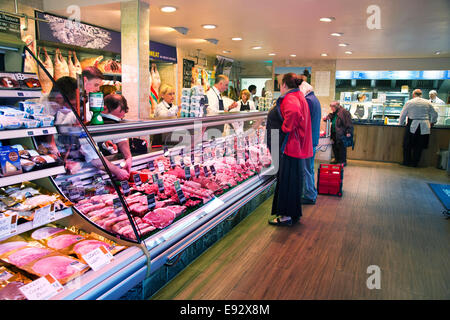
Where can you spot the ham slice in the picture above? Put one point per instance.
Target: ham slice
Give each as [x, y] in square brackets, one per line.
[8, 246]
[87, 246]
[45, 81]
[64, 241]
[60, 65]
[45, 232]
[61, 267]
[27, 255]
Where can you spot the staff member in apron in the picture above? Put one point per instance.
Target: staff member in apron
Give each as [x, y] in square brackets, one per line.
[245, 104]
[215, 101]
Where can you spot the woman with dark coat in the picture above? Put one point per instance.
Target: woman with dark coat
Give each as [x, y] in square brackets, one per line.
[341, 126]
[291, 117]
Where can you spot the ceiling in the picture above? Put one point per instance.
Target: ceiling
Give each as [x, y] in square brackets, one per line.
[409, 28]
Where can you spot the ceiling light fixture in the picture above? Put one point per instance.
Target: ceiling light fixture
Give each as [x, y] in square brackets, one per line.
[272, 54]
[168, 9]
[348, 52]
[293, 55]
[337, 34]
[212, 40]
[226, 51]
[327, 19]
[256, 48]
[236, 39]
[343, 44]
[181, 30]
[324, 55]
[209, 26]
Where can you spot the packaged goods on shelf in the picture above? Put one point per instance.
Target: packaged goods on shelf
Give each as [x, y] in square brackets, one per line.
[9, 161]
[26, 115]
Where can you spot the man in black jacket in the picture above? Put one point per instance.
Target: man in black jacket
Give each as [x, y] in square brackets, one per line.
[341, 127]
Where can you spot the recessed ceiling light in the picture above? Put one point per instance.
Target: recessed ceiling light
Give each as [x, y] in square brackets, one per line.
[209, 26]
[437, 52]
[324, 54]
[226, 51]
[272, 54]
[337, 34]
[348, 52]
[236, 39]
[256, 48]
[168, 9]
[293, 55]
[343, 44]
[327, 19]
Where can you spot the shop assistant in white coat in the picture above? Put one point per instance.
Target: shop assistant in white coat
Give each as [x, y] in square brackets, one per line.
[166, 108]
[215, 101]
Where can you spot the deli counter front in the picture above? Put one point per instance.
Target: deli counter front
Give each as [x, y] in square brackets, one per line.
[69, 229]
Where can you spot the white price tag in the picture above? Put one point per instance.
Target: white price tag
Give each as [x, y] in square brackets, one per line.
[43, 216]
[160, 166]
[42, 289]
[8, 226]
[98, 258]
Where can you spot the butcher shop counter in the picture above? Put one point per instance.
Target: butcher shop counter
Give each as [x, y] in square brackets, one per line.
[154, 259]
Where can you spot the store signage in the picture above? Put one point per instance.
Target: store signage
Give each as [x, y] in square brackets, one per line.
[151, 202]
[160, 166]
[151, 165]
[213, 170]
[393, 75]
[68, 31]
[155, 178]
[98, 258]
[137, 179]
[163, 52]
[187, 72]
[187, 172]
[9, 24]
[205, 170]
[160, 185]
[197, 170]
[42, 289]
[172, 162]
[180, 193]
[125, 187]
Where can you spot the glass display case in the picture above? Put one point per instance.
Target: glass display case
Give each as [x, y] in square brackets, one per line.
[61, 196]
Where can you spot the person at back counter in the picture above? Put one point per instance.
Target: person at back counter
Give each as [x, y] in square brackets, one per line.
[166, 107]
[215, 101]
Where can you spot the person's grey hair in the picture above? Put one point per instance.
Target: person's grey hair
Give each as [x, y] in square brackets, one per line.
[221, 77]
[335, 104]
[433, 92]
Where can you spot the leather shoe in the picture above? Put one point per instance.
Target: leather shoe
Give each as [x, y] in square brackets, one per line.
[308, 201]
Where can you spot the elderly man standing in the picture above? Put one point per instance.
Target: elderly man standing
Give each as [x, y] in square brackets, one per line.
[434, 98]
[214, 95]
[421, 116]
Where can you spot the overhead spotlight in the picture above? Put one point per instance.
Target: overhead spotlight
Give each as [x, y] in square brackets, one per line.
[293, 55]
[324, 55]
[343, 44]
[209, 26]
[348, 52]
[272, 54]
[181, 30]
[256, 48]
[337, 34]
[236, 39]
[226, 51]
[327, 19]
[168, 9]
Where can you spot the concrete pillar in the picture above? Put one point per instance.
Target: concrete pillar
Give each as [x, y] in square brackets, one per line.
[135, 26]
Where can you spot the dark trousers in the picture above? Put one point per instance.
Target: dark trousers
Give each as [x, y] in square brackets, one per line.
[413, 145]
[289, 188]
[339, 150]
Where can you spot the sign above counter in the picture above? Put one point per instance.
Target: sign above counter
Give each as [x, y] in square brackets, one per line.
[393, 75]
[163, 52]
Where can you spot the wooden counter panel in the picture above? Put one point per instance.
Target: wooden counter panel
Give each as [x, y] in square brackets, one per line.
[385, 143]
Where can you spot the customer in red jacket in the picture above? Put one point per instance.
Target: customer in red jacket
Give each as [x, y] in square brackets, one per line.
[293, 110]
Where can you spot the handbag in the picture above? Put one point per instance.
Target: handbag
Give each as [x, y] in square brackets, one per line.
[348, 141]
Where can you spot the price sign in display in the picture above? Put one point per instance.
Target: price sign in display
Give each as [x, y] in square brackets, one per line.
[192, 158]
[172, 162]
[213, 170]
[43, 216]
[43, 288]
[137, 179]
[187, 172]
[155, 178]
[125, 187]
[180, 193]
[117, 206]
[151, 202]
[160, 166]
[151, 165]
[205, 170]
[160, 185]
[197, 170]
[98, 258]
[166, 151]
[8, 225]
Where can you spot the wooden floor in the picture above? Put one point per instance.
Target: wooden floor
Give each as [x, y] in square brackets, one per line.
[388, 217]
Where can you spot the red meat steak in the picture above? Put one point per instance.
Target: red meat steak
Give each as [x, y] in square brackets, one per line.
[59, 266]
[27, 255]
[160, 218]
[8, 246]
[87, 246]
[64, 241]
[45, 232]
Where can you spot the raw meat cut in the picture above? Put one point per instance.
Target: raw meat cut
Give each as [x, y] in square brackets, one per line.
[27, 255]
[109, 66]
[177, 209]
[87, 246]
[90, 62]
[8, 246]
[72, 70]
[60, 267]
[11, 291]
[60, 65]
[160, 218]
[45, 232]
[64, 241]
[45, 81]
